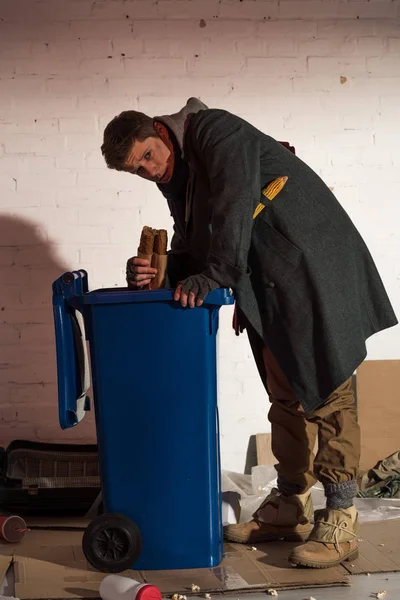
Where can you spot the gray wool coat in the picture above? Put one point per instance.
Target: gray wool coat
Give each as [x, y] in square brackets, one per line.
[301, 273]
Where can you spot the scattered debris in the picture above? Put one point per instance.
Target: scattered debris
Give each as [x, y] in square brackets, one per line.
[343, 79]
[352, 565]
[368, 574]
[310, 598]
[381, 545]
[178, 597]
[272, 592]
[359, 540]
[195, 587]
[254, 548]
[207, 596]
[380, 594]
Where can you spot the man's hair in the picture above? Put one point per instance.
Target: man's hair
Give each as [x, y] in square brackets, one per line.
[121, 133]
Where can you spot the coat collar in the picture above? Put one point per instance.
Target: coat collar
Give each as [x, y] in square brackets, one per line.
[176, 122]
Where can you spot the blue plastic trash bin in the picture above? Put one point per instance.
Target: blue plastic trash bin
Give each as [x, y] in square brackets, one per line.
[153, 366]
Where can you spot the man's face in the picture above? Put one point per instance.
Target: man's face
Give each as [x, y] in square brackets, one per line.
[152, 159]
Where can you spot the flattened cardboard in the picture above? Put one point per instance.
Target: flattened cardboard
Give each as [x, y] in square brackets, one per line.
[56, 547]
[244, 570]
[271, 562]
[170, 582]
[51, 564]
[40, 579]
[378, 393]
[374, 557]
[5, 562]
[58, 523]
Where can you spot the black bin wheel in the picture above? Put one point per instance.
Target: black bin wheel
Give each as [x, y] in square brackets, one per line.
[112, 543]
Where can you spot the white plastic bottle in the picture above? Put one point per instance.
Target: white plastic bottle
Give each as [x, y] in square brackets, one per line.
[115, 587]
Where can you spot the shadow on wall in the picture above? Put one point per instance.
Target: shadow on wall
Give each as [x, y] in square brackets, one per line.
[28, 377]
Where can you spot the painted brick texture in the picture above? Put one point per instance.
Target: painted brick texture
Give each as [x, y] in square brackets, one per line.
[322, 74]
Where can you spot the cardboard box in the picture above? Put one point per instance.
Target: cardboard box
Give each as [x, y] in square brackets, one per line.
[264, 450]
[377, 389]
[378, 392]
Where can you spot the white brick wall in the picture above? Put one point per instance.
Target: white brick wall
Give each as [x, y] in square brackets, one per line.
[67, 67]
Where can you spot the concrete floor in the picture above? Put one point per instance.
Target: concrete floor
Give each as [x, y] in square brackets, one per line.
[362, 587]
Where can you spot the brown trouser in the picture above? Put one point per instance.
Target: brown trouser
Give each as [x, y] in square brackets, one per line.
[293, 432]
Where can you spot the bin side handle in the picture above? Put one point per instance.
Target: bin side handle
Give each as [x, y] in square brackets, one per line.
[71, 367]
[82, 363]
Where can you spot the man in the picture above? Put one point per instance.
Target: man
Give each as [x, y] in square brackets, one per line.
[306, 288]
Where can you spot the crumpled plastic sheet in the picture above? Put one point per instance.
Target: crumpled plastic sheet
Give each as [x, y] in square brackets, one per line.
[255, 487]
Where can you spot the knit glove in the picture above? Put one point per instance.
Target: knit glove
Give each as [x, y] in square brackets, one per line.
[238, 323]
[200, 285]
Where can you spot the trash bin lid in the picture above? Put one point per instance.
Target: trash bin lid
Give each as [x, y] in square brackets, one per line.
[218, 297]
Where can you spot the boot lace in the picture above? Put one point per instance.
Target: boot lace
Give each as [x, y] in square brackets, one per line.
[337, 527]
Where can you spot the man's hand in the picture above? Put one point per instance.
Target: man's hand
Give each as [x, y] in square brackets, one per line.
[193, 290]
[139, 272]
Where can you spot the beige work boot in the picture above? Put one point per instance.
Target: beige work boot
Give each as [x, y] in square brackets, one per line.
[278, 517]
[332, 540]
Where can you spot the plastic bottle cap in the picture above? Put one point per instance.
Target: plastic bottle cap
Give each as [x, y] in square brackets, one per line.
[149, 592]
